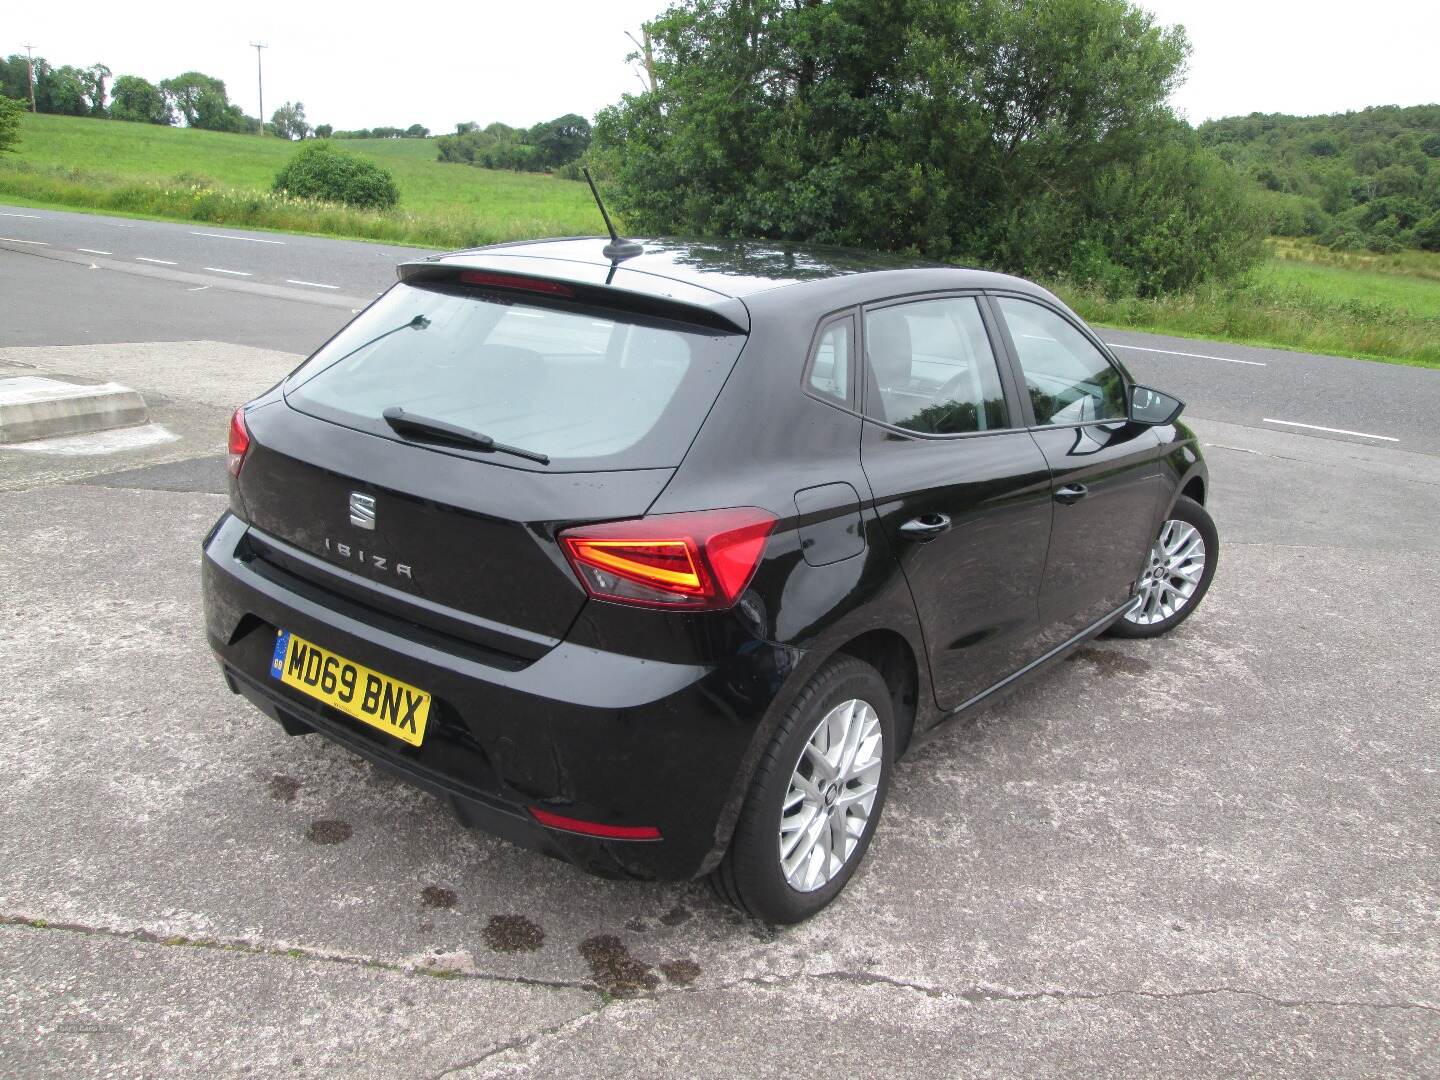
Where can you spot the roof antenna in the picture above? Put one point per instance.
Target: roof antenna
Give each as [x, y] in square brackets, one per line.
[618, 248]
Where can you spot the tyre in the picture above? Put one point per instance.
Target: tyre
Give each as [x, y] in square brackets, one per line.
[1176, 576]
[816, 797]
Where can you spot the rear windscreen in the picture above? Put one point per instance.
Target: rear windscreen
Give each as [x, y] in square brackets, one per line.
[589, 388]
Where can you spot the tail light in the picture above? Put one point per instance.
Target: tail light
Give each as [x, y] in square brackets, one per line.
[702, 560]
[239, 441]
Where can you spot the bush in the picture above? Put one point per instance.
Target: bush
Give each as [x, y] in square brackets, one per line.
[320, 171]
[1291, 215]
[1341, 237]
[10, 110]
[1427, 233]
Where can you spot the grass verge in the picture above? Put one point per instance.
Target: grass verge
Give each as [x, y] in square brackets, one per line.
[1383, 308]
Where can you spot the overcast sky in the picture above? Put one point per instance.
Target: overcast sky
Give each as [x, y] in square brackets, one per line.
[364, 64]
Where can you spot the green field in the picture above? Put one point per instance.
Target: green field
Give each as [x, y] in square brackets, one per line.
[113, 166]
[1380, 307]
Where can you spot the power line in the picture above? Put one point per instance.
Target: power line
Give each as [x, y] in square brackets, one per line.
[260, 80]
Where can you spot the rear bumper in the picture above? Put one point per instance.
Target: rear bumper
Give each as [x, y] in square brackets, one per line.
[590, 734]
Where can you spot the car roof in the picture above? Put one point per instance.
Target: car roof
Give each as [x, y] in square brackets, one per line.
[687, 270]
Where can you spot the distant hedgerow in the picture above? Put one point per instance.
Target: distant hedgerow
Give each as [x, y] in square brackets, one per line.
[320, 171]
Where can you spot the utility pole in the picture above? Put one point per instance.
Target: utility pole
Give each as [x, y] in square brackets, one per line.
[260, 81]
[30, 72]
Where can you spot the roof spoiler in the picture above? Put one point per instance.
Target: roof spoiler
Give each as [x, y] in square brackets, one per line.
[502, 276]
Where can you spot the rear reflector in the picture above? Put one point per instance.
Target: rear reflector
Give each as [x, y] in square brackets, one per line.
[239, 441]
[594, 828]
[515, 281]
[704, 559]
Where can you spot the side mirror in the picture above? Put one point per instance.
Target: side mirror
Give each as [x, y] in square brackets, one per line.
[1149, 406]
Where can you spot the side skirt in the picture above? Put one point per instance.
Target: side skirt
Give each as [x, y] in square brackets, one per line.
[1084, 635]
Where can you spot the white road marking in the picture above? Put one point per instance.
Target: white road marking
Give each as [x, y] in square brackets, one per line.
[161, 262]
[1196, 355]
[12, 240]
[227, 236]
[6, 213]
[94, 251]
[237, 273]
[1332, 430]
[198, 288]
[312, 284]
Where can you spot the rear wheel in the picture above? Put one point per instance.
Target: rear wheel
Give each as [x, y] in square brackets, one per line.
[816, 797]
[1177, 574]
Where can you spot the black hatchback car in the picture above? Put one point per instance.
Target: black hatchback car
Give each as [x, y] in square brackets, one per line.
[658, 565]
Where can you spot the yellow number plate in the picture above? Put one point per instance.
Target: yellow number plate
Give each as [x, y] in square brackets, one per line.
[394, 707]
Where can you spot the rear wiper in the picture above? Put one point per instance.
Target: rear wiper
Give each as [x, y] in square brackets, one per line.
[438, 431]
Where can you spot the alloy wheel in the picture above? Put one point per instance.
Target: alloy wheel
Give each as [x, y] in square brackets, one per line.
[831, 795]
[1177, 563]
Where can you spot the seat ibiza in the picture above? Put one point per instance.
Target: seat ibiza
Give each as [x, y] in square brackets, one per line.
[658, 563]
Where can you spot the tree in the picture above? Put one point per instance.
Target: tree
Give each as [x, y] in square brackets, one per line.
[139, 100]
[10, 111]
[549, 145]
[561, 140]
[417, 131]
[202, 102]
[983, 129]
[64, 91]
[15, 78]
[94, 78]
[184, 93]
[289, 121]
[323, 131]
[1370, 173]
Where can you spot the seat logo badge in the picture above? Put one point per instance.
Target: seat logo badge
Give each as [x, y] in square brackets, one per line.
[362, 511]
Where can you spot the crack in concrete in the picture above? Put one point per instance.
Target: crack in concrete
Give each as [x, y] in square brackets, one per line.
[525, 1041]
[977, 995]
[293, 952]
[981, 995]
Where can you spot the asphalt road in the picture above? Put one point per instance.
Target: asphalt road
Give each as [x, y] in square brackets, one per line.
[1211, 854]
[1322, 396]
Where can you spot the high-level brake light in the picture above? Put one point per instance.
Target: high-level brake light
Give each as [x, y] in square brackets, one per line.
[515, 281]
[698, 560]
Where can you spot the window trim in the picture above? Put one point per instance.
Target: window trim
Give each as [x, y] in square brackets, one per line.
[825, 323]
[1017, 371]
[1013, 398]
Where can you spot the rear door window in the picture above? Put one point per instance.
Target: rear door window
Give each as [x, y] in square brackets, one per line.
[590, 388]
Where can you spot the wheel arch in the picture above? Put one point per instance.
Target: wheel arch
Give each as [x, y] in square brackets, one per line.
[891, 654]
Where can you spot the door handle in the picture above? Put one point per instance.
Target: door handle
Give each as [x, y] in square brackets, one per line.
[1071, 493]
[925, 527]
